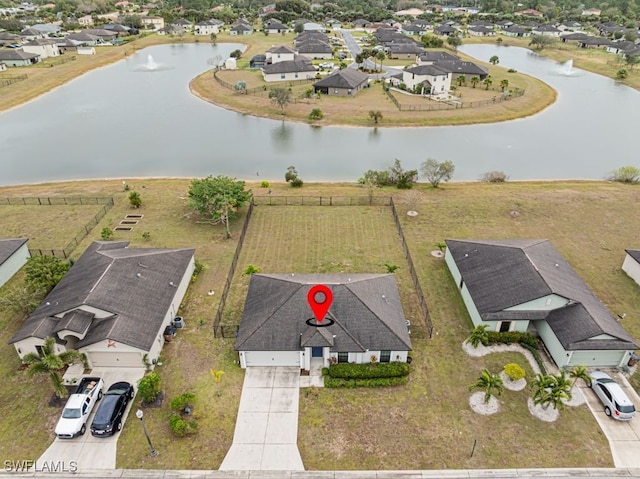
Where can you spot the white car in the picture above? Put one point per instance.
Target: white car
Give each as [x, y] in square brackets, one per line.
[616, 403]
[73, 421]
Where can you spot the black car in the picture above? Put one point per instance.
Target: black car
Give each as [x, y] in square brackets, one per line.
[108, 418]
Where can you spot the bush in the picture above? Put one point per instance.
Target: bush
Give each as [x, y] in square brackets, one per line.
[149, 387]
[134, 199]
[514, 371]
[368, 371]
[178, 425]
[199, 267]
[494, 177]
[316, 114]
[297, 182]
[536, 356]
[512, 70]
[179, 403]
[625, 174]
[43, 272]
[264, 184]
[106, 233]
[511, 337]
[330, 382]
[325, 371]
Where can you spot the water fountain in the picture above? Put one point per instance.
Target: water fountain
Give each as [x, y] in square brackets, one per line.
[151, 63]
[151, 66]
[567, 68]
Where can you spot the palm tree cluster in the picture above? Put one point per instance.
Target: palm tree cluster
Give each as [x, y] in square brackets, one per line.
[551, 390]
[490, 383]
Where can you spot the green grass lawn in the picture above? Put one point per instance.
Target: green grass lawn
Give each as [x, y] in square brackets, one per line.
[425, 424]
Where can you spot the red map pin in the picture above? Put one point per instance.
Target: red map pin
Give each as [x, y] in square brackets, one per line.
[320, 298]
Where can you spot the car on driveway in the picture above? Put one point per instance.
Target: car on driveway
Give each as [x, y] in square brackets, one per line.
[108, 418]
[616, 403]
[76, 412]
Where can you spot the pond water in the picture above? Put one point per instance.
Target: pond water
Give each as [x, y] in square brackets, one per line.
[137, 118]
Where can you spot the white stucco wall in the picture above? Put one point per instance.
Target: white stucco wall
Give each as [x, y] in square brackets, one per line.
[632, 268]
[14, 263]
[288, 76]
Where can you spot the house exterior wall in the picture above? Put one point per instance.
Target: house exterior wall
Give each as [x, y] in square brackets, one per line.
[546, 303]
[206, 29]
[45, 51]
[599, 358]
[288, 76]
[317, 56]
[86, 51]
[271, 358]
[631, 267]
[14, 263]
[556, 350]
[279, 57]
[344, 91]
[21, 63]
[440, 84]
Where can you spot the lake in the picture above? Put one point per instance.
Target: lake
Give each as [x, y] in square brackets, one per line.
[124, 121]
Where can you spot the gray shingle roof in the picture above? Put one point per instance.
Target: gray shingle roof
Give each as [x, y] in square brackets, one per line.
[500, 274]
[130, 286]
[434, 56]
[634, 253]
[427, 70]
[461, 67]
[300, 64]
[9, 246]
[17, 55]
[346, 78]
[366, 309]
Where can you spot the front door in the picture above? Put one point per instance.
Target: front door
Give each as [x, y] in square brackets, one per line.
[316, 352]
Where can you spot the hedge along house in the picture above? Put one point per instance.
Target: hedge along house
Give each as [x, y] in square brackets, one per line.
[527, 286]
[112, 305]
[365, 319]
[13, 255]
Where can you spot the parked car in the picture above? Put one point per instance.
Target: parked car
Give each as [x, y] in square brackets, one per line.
[73, 421]
[616, 403]
[108, 418]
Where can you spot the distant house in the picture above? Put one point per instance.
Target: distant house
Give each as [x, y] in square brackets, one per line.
[459, 67]
[47, 28]
[573, 37]
[516, 31]
[153, 22]
[85, 39]
[365, 319]
[429, 57]
[14, 253]
[274, 27]
[546, 30]
[207, 27]
[526, 285]
[300, 68]
[45, 47]
[315, 49]
[86, 21]
[480, 31]
[530, 12]
[18, 58]
[333, 24]
[9, 38]
[345, 82]
[183, 24]
[29, 34]
[312, 27]
[445, 30]
[241, 29]
[425, 80]
[360, 23]
[413, 29]
[591, 12]
[631, 264]
[105, 35]
[113, 305]
[280, 53]
[403, 50]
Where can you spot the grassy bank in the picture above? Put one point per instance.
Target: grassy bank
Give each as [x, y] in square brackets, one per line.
[587, 222]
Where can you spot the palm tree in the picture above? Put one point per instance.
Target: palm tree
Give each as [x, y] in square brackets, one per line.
[490, 383]
[375, 115]
[461, 80]
[487, 82]
[381, 56]
[51, 363]
[551, 390]
[217, 377]
[504, 84]
[474, 81]
[580, 372]
[478, 335]
[494, 60]
[359, 59]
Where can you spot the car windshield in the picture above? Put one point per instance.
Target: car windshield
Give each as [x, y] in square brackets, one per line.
[626, 409]
[71, 413]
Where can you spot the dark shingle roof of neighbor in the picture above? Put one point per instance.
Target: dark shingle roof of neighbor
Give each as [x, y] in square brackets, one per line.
[281, 49]
[405, 48]
[311, 46]
[366, 309]
[346, 78]
[9, 246]
[501, 274]
[17, 55]
[432, 56]
[427, 70]
[134, 286]
[634, 253]
[300, 64]
[458, 66]
[41, 41]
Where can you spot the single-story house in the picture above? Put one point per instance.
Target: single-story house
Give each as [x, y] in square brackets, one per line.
[29, 34]
[345, 82]
[481, 31]
[14, 253]
[45, 47]
[312, 27]
[113, 304]
[274, 27]
[333, 24]
[631, 264]
[526, 285]
[365, 319]
[241, 29]
[18, 58]
[546, 30]
[315, 49]
[86, 38]
[300, 68]
[7, 37]
[403, 50]
[445, 30]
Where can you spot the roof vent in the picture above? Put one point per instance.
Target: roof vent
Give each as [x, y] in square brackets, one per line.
[138, 275]
[172, 284]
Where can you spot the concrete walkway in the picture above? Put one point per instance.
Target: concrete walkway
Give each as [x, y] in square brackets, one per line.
[266, 434]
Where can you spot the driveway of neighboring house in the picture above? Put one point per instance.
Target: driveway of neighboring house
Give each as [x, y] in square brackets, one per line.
[266, 431]
[89, 452]
[623, 436]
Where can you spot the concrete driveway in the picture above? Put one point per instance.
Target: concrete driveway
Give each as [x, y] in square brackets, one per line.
[266, 431]
[89, 452]
[623, 436]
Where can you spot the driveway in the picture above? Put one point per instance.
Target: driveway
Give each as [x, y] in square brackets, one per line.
[266, 433]
[623, 436]
[89, 452]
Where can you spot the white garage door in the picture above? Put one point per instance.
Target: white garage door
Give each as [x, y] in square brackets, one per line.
[116, 359]
[272, 358]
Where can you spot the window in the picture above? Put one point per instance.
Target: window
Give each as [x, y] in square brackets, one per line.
[461, 283]
[40, 351]
[296, 74]
[343, 357]
[335, 91]
[505, 326]
[385, 356]
[282, 75]
[349, 91]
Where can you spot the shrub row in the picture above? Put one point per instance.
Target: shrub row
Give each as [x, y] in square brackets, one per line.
[330, 382]
[536, 356]
[511, 337]
[368, 371]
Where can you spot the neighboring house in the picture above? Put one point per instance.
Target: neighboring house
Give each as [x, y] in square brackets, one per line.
[18, 58]
[153, 22]
[345, 82]
[526, 285]
[14, 253]
[47, 28]
[315, 49]
[113, 305]
[631, 264]
[459, 67]
[414, 29]
[10, 38]
[29, 34]
[546, 30]
[281, 53]
[68, 45]
[86, 21]
[312, 27]
[86, 39]
[365, 319]
[45, 47]
[426, 80]
[530, 12]
[573, 37]
[241, 29]
[186, 25]
[591, 11]
[480, 31]
[444, 30]
[274, 26]
[300, 68]
[570, 26]
[594, 42]
[105, 35]
[360, 23]
[622, 47]
[207, 27]
[430, 57]
[403, 50]
[333, 24]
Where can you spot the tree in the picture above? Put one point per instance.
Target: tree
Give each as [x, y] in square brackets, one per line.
[42, 273]
[479, 335]
[375, 115]
[474, 81]
[236, 54]
[381, 56]
[461, 79]
[217, 377]
[622, 74]
[291, 174]
[106, 234]
[487, 82]
[454, 41]
[431, 41]
[551, 390]
[21, 300]
[632, 61]
[218, 199]
[504, 84]
[490, 383]
[541, 41]
[499, 40]
[132, 21]
[299, 27]
[134, 199]
[281, 97]
[240, 87]
[51, 364]
[494, 60]
[625, 174]
[435, 171]
[580, 372]
[403, 179]
[359, 59]
[214, 38]
[316, 114]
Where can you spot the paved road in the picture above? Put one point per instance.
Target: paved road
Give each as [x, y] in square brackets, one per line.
[355, 49]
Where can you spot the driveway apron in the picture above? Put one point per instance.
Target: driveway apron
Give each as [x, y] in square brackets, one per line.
[266, 431]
